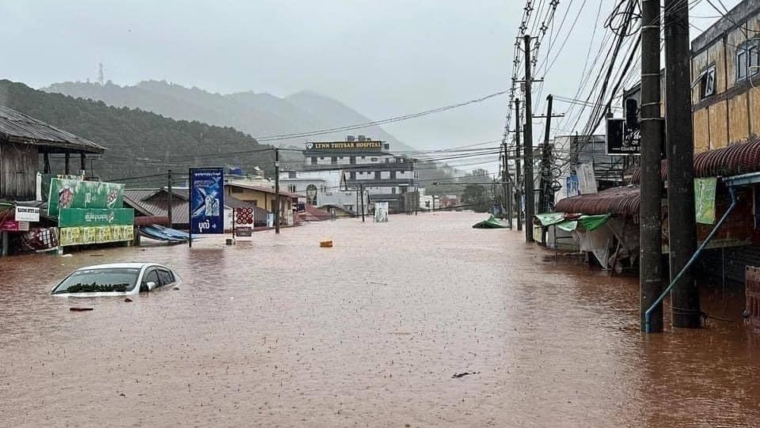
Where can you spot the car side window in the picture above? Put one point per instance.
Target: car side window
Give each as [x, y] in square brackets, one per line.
[151, 276]
[166, 277]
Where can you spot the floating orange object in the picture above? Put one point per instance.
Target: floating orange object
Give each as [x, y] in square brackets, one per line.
[326, 244]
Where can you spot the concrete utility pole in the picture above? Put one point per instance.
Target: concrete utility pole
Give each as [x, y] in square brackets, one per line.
[650, 253]
[361, 187]
[546, 198]
[505, 182]
[169, 199]
[518, 160]
[530, 204]
[680, 154]
[277, 190]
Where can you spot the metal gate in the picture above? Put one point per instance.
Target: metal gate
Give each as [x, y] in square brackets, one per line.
[752, 293]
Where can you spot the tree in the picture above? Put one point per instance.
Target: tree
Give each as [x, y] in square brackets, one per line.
[475, 196]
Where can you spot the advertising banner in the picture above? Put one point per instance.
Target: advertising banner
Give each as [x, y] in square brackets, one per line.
[69, 193]
[704, 198]
[14, 226]
[27, 214]
[207, 200]
[244, 221]
[345, 145]
[70, 217]
[85, 235]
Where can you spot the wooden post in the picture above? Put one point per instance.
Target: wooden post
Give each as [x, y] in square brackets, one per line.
[68, 164]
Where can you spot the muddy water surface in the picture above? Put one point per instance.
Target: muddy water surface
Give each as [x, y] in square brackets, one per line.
[280, 332]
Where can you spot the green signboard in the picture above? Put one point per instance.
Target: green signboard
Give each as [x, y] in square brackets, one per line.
[70, 217]
[704, 199]
[95, 235]
[68, 193]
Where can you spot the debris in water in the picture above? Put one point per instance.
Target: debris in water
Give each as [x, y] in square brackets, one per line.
[80, 309]
[326, 244]
[175, 288]
[128, 300]
[458, 375]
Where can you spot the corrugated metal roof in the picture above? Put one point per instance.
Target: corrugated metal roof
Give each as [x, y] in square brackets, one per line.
[617, 200]
[735, 159]
[17, 127]
[266, 190]
[146, 201]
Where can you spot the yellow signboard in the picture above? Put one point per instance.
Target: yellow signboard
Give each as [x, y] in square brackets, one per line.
[345, 145]
[81, 235]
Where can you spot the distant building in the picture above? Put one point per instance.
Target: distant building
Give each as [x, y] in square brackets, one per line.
[324, 188]
[573, 151]
[367, 164]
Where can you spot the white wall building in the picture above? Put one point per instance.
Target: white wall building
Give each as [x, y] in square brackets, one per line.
[323, 188]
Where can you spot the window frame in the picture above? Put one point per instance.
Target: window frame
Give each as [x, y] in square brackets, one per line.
[707, 82]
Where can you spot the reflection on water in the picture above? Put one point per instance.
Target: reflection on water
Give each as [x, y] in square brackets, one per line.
[280, 332]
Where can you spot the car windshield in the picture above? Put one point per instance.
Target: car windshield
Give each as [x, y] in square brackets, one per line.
[99, 280]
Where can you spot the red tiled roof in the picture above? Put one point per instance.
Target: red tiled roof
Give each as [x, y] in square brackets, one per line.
[735, 159]
[618, 200]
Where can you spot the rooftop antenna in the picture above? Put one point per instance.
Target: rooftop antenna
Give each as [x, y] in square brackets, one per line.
[101, 77]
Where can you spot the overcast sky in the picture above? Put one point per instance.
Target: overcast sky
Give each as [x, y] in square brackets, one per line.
[383, 58]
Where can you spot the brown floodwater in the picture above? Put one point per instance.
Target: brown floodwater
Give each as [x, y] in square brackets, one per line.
[281, 332]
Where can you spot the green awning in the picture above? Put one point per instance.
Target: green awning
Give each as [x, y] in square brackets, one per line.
[587, 222]
[491, 223]
[548, 219]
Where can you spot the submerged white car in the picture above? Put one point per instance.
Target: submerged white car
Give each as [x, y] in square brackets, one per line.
[116, 279]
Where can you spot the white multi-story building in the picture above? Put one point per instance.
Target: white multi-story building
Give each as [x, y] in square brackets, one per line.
[324, 188]
[367, 166]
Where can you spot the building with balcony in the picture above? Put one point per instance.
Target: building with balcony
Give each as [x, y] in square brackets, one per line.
[368, 166]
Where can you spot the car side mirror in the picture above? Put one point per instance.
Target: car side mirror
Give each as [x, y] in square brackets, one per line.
[151, 285]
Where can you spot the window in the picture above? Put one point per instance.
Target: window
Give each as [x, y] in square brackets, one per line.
[373, 160]
[166, 277]
[393, 190]
[707, 83]
[353, 175]
[748, 59]
[151, 276]
[334, 160]
[377, 175]
[313, 160]
[291, 174]
[292, 188]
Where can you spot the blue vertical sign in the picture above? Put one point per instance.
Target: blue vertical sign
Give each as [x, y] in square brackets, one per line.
[207, 200]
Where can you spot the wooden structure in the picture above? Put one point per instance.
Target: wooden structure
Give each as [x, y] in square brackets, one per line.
[725, 67]
[22, 140]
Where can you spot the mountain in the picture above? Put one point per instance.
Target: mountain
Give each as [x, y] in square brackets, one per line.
[258, 114]
[139, 143]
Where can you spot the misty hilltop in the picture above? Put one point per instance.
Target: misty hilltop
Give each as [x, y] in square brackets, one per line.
[257, 114]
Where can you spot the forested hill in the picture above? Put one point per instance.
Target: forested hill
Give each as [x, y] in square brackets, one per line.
[138, 143]
[258, 114]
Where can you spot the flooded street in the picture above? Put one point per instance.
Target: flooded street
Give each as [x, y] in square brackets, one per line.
[281, 332]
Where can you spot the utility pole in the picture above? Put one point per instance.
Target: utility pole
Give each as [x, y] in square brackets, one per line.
[530, 204]
[650, 253]
[505, 182]
[169, 199]
[682, 227]
[518, 160]
[361, 186]
[546, 197]
[277, 190]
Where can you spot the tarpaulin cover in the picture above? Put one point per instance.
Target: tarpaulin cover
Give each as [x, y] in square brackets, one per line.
[587, 222]
[491, 223]
[548, 219]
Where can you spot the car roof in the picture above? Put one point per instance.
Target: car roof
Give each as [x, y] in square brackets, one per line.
[119, 266]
